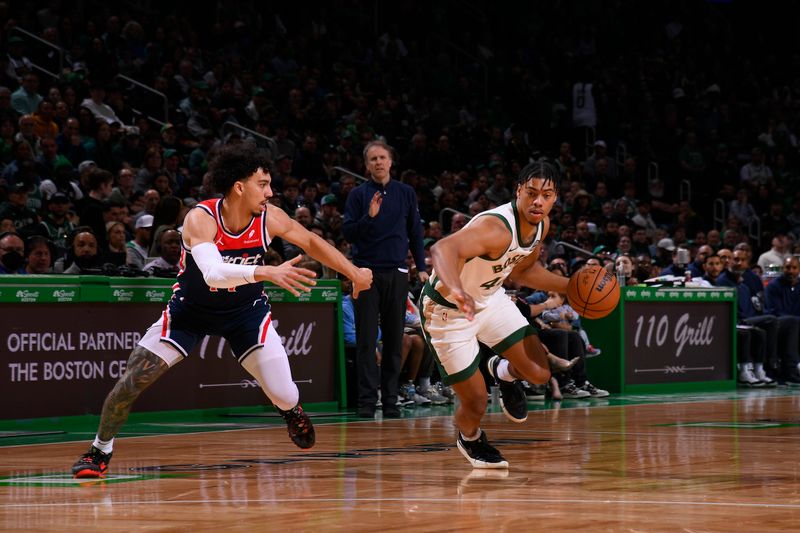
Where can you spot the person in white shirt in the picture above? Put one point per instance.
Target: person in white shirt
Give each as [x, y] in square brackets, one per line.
[138, 246]
[775, 255]
[101, 110]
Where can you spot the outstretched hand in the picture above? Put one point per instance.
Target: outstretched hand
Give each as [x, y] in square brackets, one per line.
[292, 278]
[362, 281]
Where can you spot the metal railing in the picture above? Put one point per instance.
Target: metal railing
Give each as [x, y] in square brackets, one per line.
[686, 190]
[590, 136]
[273, 146]
[343, 170]
[621, 156]
[652, 171]
[48, 44]
[451, 210]
[576, 249]
[150, 90]
[719, 214]
[754, 230]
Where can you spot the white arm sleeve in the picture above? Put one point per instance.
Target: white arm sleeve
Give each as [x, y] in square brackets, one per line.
[217, 273]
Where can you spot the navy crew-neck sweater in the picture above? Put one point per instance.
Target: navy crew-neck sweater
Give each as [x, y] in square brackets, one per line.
[382, 243]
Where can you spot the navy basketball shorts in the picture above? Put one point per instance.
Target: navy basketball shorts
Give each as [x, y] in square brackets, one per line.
[181, 326]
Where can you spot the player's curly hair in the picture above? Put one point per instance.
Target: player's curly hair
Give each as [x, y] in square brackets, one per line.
[236, 162]
[540, 169]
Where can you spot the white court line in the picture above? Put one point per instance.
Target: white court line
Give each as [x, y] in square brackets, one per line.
[245, 501]
[718, 433]
[776, 394]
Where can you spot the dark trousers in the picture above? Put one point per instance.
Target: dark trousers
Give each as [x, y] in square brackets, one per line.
[769, 324]
[384, 305]
[788, 341]
[782, 336]
[751, 345]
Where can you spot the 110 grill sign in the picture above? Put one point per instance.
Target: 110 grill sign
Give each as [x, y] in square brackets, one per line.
[655, 331]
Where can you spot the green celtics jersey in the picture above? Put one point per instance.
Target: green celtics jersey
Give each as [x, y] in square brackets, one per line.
[483, 276]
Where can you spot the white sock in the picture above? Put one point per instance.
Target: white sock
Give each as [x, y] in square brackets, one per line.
[503, 373]
[475, 437]
[425, 383]
[105, 446]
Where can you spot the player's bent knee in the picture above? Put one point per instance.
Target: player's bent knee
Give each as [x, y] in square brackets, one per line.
[143, 368]
[474, 403]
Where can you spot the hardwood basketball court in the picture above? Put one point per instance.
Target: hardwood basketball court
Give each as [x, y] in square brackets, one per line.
[701, 462]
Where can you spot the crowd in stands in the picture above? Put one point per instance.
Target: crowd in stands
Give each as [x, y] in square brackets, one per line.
[676, 139]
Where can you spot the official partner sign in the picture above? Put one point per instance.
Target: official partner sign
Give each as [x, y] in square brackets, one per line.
[62, 359]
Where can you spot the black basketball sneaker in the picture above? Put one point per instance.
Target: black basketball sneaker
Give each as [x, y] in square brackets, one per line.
[512, 396]
[299, 425]
[480, 453]
[92, 464]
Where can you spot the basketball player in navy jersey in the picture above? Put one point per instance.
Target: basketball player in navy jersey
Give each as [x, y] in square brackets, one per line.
[219, 291]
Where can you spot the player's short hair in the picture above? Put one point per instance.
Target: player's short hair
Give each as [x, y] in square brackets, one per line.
[540, 169]
[236, 162]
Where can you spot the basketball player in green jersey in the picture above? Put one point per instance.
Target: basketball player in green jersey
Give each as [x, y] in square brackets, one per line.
[463, 303]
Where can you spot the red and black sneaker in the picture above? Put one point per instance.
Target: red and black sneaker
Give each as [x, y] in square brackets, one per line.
[300, 428]
[92, 464]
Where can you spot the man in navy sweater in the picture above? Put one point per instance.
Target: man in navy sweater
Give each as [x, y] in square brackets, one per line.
[779, 338]
[382, 223]
[782, 299]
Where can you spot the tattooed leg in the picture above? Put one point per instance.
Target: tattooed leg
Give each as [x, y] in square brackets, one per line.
[143, 368]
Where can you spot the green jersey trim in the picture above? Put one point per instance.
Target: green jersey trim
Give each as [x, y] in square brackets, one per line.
[434, 295]
[511, 340]
[508, 226]
[539, 228]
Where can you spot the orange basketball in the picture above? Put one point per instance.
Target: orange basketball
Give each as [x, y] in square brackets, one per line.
[593, 292]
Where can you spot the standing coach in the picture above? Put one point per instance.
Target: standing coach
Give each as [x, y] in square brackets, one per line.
[382, 223]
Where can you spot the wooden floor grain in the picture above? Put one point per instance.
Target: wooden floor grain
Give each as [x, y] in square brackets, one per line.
[724, 465]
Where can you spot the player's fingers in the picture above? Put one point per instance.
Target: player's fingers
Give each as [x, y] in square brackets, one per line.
[306, 284]
[300, 280]
[289, 288]
[304, 272]
[301, 283]
[294, 260]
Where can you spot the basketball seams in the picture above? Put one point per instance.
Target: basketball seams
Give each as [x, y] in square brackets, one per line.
[591, 290]
[603, 296]
[606, 295]
[583, 304]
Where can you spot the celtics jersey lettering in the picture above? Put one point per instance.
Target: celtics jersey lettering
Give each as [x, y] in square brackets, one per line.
[483, 276]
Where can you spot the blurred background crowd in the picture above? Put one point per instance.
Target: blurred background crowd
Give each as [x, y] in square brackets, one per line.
[673, 124]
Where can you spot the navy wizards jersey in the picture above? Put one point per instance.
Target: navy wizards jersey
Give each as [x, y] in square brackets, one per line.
[247, 247]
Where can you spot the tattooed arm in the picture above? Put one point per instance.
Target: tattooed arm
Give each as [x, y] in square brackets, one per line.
[143, 368]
